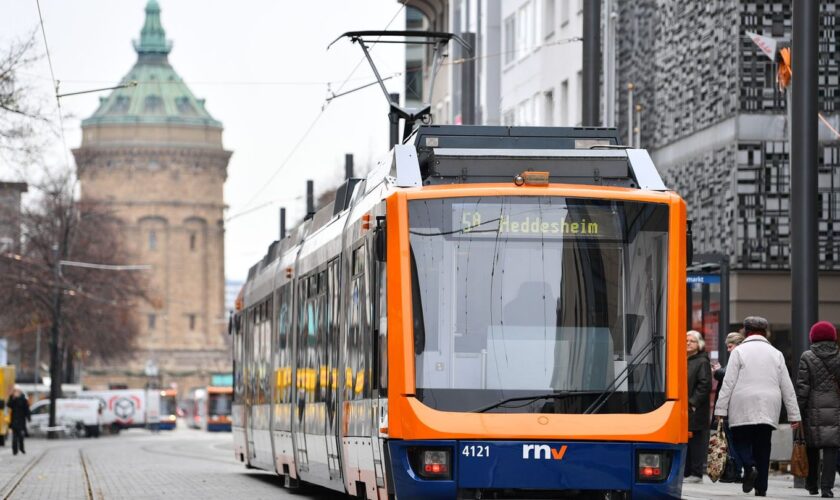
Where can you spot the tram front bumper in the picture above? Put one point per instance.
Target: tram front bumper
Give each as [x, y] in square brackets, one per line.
[517, 468]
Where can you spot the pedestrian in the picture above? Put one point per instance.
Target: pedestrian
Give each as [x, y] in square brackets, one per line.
[755, 385]
[819, 401]
[19, 407]
[730, 474]
[699, 388]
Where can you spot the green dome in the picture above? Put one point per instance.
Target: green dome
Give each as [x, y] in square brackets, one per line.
[160, 96]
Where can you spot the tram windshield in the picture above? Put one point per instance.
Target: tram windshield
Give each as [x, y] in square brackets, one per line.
[168, 405]
[219, 405]
[539, 304]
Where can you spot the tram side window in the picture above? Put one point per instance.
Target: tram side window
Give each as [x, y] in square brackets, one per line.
[238, 338]
[333, 334]
[302, 327]
[255, 355]
[321, 339]
[381, 322]
[249, 355]
[283, 345]
[265, 353]
[358, 341]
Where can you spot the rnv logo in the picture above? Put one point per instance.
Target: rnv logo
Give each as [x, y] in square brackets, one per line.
[542, 452]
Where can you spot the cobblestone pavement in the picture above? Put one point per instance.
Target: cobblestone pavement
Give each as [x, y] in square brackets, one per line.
[182, 464]
[779, 487]
[187, 464]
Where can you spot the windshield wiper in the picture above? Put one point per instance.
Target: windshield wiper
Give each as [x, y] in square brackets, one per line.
[550, 395]
[611, 389]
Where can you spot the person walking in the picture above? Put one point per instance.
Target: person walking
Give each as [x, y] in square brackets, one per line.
[755, 386]
[730, 475]
[19, 407]
[818, 395]
[699, 388]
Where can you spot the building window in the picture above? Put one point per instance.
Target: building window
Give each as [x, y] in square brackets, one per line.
[564, 103]
[579, 98]
[152, 240]
[153, 104]
[192, 321]
[152, 319]
[192, 241]
[185, 107]
[510, 39]
[524, 30]
[120, 105]
[548, 17]
[414, 81]
[564, 12]
[548, 108]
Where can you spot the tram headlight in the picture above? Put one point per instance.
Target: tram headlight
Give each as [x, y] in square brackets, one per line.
[652, 466]
[432, 463]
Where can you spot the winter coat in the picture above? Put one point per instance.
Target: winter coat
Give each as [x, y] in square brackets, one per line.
[818, 395]
[20, 412]
[699, 387]
[755, 385]
[718, 376]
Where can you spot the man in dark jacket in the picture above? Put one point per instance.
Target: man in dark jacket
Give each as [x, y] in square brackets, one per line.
[699, 388]
[818, 395]
[19, 407]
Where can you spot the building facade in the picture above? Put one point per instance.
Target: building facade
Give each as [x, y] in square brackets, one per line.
[155, 155]
[717, 127]
[541, 63]
[525, 67]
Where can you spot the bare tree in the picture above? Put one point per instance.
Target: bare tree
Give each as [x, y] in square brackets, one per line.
[93, 305]
[22, 120]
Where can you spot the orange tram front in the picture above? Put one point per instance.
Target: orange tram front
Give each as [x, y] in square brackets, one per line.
[493, 312]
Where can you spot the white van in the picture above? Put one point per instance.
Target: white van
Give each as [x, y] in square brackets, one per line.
[127, 408]
[73, 416]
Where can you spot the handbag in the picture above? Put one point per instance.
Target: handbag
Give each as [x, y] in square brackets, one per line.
[717, 453]
[799, 455]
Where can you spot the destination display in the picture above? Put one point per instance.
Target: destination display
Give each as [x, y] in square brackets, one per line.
[527, 220]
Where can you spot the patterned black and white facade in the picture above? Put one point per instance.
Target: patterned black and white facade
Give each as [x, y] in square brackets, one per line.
[716, 123]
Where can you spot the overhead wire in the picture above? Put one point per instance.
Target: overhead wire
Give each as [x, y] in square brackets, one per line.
[55, 85]
[309, 129]
[463, 60]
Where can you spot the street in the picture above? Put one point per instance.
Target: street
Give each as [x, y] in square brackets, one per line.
[181, 464]
[187, 464]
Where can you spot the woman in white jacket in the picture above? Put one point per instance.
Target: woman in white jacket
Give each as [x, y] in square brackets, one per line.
[755, 386]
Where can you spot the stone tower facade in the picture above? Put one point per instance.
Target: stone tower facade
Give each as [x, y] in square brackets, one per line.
[154, 153]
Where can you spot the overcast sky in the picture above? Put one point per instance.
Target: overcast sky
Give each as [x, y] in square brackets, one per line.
[263, 67]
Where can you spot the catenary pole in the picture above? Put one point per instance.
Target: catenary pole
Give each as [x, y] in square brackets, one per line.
[803, 174]
[591, 62]
[55, 358]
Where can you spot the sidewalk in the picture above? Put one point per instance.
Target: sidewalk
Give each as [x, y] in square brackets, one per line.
[779, 487]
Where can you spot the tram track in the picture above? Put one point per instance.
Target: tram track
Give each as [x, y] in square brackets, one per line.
[88, 484]
[16, 481]
[175, 452]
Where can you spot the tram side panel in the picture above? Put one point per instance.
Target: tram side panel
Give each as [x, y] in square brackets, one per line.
[361, 447]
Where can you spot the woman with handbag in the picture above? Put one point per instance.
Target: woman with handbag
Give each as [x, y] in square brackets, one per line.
[755, 386]
[699, 388]
[732, 471]
[818, 395]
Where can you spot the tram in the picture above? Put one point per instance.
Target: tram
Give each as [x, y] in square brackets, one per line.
[168, 409]
[492, 312]
[209, 408]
